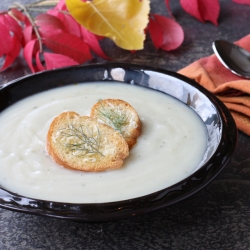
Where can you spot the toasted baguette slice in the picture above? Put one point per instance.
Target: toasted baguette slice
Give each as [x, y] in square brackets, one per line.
[119, 115]
[82, 143]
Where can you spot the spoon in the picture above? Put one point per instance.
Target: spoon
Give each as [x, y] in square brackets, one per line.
[233, 57]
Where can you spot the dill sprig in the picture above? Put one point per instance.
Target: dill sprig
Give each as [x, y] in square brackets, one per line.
[82, 140]
[113, 117]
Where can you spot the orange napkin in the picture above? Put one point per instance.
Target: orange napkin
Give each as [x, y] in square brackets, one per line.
[233, 90]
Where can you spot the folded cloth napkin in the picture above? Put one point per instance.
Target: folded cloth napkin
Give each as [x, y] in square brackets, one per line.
[233, 90]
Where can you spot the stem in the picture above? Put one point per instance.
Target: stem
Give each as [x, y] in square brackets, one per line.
[36, 9]
[39, 38]
[43, 3]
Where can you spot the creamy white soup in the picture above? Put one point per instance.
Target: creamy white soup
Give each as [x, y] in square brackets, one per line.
[170, 148]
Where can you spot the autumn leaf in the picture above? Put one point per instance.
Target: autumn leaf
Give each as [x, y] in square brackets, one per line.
[19, 16]
[15, 48]
[247, 2]
[203, 10]
[17, 23]
[49, 61]
[29, 50]
[74, 28]
[28, 34]
[54, 61]
[48, 20]
[10, 46]
[12, 25]
[5, 43]
[122, 21]
[93, 43]
[68, 45]
[58, 40]
[11, 37]
[39, 64]
[165, 33]
[48, 25]
[70, 24]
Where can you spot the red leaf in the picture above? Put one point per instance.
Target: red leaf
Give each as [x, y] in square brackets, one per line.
[242, 1]
[165, 32]
[44, 20]
[29, 50]
[38, 62]
[192, 8]
[28, 34]
[61, 5]
[73, 27]
[70, 24]
[12, 25]
[54, 61]
[53, 12]
[19, 16]
[68, 45]
[49, 25]
[13, 54]
[155, 31]
[5, 41]
[49, 31]
[93, 43]
[203, 10]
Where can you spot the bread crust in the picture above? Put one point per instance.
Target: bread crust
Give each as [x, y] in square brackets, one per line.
[82, 143]
[119, 115]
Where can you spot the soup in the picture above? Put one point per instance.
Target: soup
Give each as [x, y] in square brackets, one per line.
[170, 148]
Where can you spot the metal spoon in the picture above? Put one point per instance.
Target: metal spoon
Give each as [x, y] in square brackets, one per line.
[233, 57]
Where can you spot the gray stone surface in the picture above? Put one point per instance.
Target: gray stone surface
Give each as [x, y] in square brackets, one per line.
[218, 217]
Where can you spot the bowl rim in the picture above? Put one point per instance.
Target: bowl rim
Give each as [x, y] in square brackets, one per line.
[108, 211]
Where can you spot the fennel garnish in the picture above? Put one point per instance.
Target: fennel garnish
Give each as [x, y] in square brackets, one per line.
[113, 116]
[81, 140]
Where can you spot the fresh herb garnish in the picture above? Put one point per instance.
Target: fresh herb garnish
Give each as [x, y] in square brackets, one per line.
[81, 140]
[113, 116]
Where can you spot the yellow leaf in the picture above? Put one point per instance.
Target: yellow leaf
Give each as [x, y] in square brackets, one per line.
[123, 21]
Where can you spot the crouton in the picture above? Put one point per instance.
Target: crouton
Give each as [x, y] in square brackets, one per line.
[119, 115]
[82, 143]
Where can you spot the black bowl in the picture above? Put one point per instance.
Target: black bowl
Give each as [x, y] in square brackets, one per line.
[222, 138]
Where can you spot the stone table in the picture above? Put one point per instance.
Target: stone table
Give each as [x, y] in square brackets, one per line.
[217, 217]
